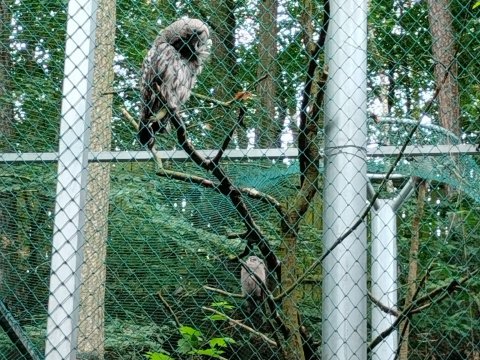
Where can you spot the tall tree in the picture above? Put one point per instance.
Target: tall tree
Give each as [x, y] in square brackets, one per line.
[7, 220]
[269, 127]
[6, 107]
[443, 50]
[92, 312]
[413, 265]
[222, 66]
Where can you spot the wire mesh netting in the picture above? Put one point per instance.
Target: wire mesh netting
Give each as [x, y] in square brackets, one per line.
[173, 184]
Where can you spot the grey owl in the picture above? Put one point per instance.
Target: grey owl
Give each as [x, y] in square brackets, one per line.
[169, 73]
[250, 287]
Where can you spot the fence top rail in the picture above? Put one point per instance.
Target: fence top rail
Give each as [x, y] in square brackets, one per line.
[236, 154]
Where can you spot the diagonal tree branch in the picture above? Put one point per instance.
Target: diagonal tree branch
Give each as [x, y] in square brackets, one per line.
[209, 184]
[254, 234]
[414, 307]
[242, 325]
[369, 207]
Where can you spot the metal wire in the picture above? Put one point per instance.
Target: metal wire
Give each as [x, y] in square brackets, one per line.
[111, 251]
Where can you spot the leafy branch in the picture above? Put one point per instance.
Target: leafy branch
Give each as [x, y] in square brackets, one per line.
[433, 297]
[370, 205]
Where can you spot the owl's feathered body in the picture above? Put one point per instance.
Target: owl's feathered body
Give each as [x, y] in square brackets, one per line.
[170, 72]
[250, 287]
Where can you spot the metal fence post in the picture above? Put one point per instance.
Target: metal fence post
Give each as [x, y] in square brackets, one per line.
[63, 304]
[384, 269]
[344, 292]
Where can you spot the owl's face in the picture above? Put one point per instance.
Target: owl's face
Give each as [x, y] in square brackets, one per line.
[254, 261]
[190, 37]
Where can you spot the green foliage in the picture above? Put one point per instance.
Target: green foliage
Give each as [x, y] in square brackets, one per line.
[192, 341]
[157, 356]
[126, 339]
[166, 235]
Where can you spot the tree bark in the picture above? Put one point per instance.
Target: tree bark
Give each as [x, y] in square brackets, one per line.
[223, 65]
[269, 128]
[92, 312]
[443, 50]
[7, 201]
[413, 266]
[293, 347]
[6, 104]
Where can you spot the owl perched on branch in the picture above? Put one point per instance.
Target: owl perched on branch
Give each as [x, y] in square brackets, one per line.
[169, 73]
[250, 284]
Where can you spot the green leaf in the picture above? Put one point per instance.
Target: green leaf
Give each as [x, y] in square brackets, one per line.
[217, 317]
[477, 4]
[222, 305]
[157, 356]
[187, 330]
[217, 342]
[222, 342]
[212, 352]
[184, 346]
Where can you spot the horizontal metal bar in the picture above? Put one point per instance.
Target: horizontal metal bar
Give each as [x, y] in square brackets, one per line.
[177, 155]
[425, 150]
[236, 154]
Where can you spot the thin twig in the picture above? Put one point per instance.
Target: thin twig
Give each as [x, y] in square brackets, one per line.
[209, 184]
[229, 137]
[167, 305]
[415, 305]
[243, 326]
[223, 292]
[382, 306]
[231, 101]
[256, 82]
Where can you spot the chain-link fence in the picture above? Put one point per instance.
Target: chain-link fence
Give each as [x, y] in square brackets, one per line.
[279, 208]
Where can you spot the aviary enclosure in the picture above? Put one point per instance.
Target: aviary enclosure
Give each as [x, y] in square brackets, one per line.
[334, 141]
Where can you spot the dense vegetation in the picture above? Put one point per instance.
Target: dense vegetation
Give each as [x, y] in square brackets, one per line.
[172, 237]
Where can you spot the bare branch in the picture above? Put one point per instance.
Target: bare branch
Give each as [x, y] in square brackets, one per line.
[415, 306]
[167, 305]
[250, 192]
[243, 326]
[382, 306]
[369, 207]
[226, 187]
[223, 292]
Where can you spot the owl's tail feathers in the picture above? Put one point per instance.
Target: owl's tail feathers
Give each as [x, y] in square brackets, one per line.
[146, 134]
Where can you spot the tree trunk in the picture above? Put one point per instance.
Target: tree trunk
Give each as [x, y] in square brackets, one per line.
[223, 65]
[413, 266]
[268, 129]
[7, 203]
[92, 313]
[293, 348]
[443, 49]
[6, 103]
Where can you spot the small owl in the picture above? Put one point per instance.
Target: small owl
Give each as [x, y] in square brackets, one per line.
[169, 73]
[250, 287]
